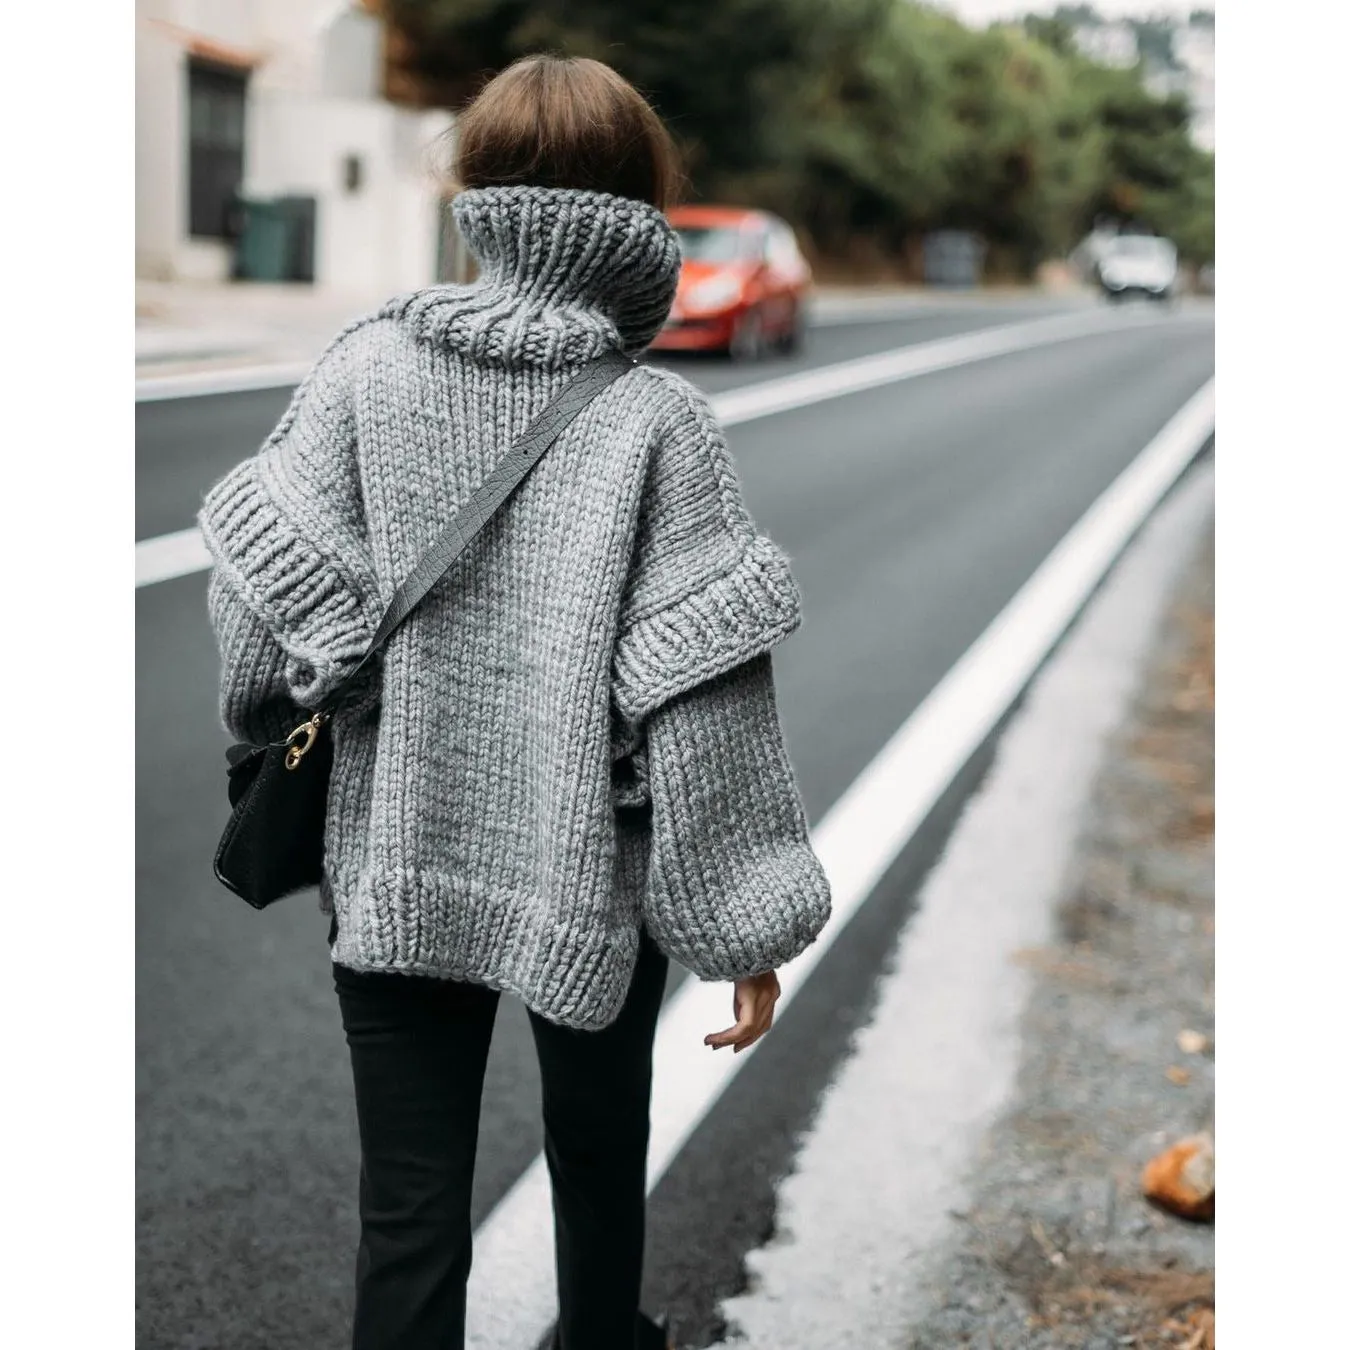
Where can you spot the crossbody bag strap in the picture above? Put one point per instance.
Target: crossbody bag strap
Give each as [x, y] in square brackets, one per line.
[509, 472]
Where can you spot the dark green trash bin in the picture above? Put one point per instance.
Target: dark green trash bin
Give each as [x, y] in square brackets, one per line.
[275, 240]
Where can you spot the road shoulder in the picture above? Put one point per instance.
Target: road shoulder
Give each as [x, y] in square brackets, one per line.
[1057, 1247]
[982, 1105]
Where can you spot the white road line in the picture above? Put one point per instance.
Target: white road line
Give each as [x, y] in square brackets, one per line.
[890, 310]
[171, 555]
[921, 358]
[513, 1294]
[896, 309]
[278, 375]
[881, 1170]
[160, 560]
[236, 380]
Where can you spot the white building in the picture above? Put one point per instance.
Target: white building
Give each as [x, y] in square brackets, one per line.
[280, 99]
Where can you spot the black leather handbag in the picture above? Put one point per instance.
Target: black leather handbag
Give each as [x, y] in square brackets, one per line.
[273, 844]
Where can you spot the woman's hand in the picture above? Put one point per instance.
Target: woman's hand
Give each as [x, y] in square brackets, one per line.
[753, 1005]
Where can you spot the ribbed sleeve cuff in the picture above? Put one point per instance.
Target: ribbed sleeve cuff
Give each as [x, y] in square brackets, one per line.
[737, 615]
[307, 600]
[776, 910]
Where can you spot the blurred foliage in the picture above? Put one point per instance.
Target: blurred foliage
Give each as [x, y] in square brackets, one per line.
[865, 122]
[1154, 37]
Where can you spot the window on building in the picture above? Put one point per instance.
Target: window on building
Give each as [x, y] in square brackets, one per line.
[215, 146]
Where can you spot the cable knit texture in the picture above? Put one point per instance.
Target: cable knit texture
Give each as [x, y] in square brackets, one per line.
[575, 733]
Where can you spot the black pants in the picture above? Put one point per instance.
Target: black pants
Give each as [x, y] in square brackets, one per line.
[419, 1048]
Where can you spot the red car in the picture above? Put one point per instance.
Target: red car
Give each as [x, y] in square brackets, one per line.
[743, 284]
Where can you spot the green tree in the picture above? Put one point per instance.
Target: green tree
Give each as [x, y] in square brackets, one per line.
[865, 122]
[1151, 161]
[868, 138]
[704, 66]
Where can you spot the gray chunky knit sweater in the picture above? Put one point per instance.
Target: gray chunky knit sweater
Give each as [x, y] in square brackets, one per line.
[575, 733]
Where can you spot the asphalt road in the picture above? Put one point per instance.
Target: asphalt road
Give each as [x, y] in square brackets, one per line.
[182, 445]
[912, 513]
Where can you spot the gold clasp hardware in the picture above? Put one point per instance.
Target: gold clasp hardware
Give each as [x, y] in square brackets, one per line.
[309, 730]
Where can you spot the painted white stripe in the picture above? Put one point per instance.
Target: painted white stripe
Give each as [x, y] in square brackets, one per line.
[277, 375]
[881, 1171]
[170, 555]
[922, 358]
[236, 380]
[898, 314]
[888, 309]
[766, 397]
[839, 313]
[857, 841]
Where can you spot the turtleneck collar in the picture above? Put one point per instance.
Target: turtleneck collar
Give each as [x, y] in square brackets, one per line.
[564, 275]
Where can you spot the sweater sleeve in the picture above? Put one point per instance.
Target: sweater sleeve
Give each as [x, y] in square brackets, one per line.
[705, 590]
[734, 887]
[286, 532]
[256, 700]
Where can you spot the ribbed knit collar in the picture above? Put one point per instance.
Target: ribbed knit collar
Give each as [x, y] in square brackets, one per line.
[564, 275]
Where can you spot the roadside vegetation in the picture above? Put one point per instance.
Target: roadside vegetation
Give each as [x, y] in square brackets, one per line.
[866, 123]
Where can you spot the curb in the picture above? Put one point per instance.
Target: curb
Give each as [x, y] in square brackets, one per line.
[202, 360]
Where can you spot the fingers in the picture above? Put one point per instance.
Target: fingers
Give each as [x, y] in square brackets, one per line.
[754, 1007]
[745, 1009]
[760, 1025]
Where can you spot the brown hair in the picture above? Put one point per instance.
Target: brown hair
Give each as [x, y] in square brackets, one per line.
[568, 122]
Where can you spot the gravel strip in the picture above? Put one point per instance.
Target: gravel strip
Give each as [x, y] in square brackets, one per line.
[1057, 1247]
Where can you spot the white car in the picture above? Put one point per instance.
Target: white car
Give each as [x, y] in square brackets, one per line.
[1138, 264]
